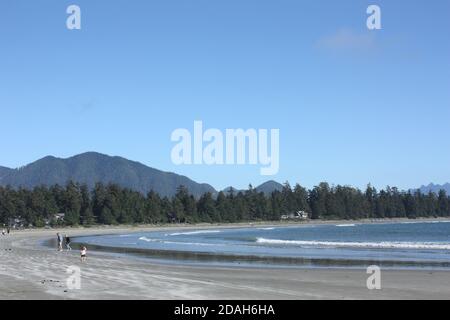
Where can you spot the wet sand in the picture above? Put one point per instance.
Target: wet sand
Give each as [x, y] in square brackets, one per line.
[29, 270]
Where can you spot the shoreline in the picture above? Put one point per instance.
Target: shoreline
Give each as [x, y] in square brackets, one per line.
[252, 260]
[199, 226]
[231, 260]
[31, 271]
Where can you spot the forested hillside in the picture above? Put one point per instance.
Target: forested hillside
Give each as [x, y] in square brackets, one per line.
[111, 204]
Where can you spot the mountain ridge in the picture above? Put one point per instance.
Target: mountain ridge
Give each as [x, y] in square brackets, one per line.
[267, 188]
[435, 188]
[4, 171]
[93, 167]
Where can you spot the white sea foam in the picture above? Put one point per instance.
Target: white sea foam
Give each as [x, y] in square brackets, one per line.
[148, 239]
[266, 228]
[417, 222]
[176, 242]
[192, 232]
[346, 225]
[378, 245]
[191, 243]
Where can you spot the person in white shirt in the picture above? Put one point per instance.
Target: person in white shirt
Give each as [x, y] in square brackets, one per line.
[83, 253]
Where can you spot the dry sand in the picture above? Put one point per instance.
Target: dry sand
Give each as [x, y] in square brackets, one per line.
[31, 271]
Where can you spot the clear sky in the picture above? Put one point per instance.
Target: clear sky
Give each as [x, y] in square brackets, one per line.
[353, 106]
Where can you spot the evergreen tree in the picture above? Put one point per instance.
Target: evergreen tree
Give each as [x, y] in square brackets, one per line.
[443, 204]
[112, 205]
[86, 214]
[206, 208]
[153, 209]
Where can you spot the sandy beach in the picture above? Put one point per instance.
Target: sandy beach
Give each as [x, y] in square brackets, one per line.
[29, 270]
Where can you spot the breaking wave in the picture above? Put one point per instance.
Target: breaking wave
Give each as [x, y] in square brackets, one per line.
[192, 232]
[175, 242]
[375, 245]
[148, 239]
[421, 222]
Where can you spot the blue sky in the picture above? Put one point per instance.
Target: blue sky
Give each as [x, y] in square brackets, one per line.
[353, 106]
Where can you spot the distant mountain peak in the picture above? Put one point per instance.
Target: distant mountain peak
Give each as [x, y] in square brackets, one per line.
[435, 188]
[267, 188]
[4, 171]
[93, 167]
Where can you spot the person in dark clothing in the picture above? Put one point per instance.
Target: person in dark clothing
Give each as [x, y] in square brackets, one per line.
[67, 243]
[60, 241]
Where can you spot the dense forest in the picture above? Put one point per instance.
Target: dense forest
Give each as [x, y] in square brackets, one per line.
[111, 204]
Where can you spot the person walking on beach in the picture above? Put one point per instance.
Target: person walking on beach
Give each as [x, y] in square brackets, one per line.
[60, 241]
[67, 240]
[83, 253]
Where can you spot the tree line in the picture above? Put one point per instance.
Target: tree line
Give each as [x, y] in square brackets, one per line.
[111, 204]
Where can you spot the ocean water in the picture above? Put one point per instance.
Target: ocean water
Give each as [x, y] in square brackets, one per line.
[413, 244]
